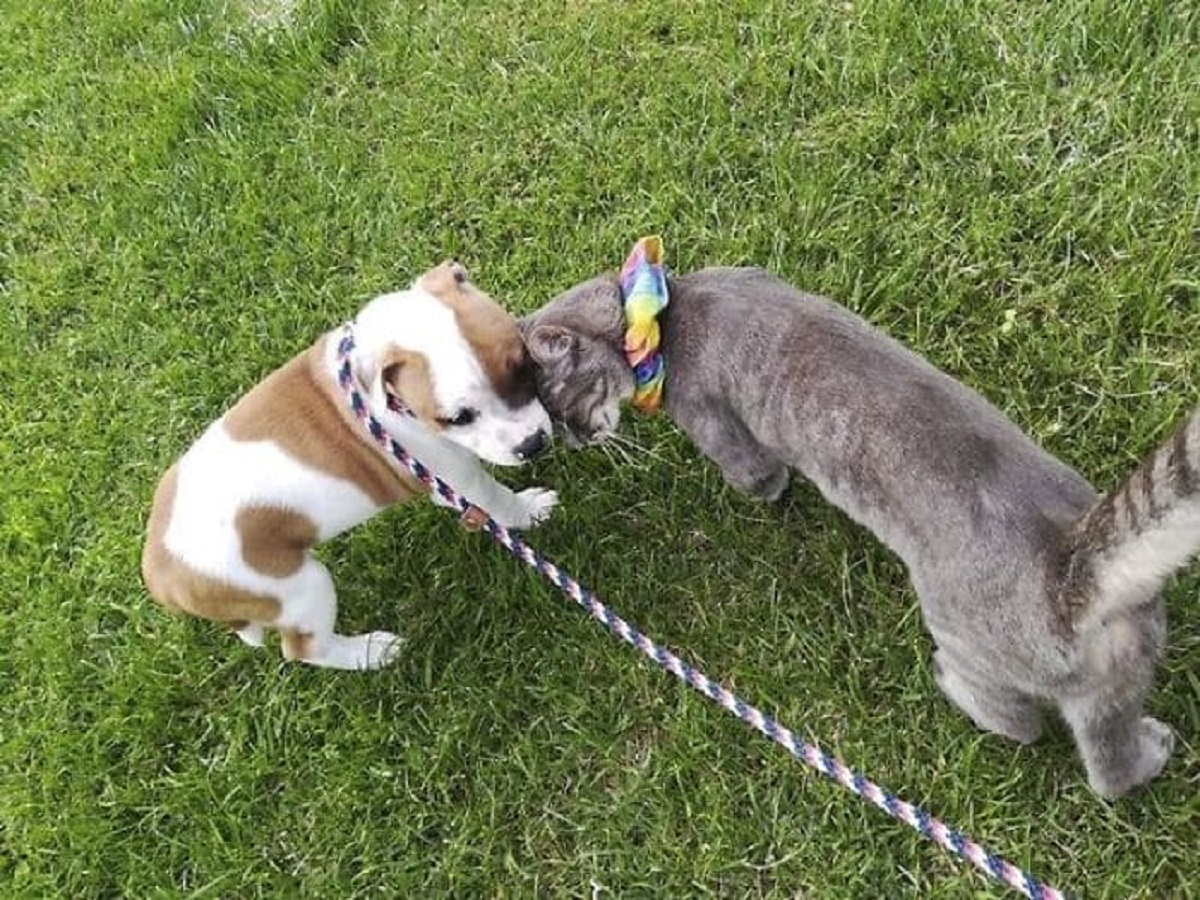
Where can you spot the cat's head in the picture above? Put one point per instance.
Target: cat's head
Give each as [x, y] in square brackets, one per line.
[576, 341]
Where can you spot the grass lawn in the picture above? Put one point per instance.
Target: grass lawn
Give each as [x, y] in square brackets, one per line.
[191, 191]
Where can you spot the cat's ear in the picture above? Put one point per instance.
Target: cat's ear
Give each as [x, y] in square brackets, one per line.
[550, 342]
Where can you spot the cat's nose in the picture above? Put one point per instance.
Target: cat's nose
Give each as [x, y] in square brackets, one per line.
[532, 445]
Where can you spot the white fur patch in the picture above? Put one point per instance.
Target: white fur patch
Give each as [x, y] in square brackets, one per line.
[1136, 569]
[268, 15]
[416, 320]
[220, 476]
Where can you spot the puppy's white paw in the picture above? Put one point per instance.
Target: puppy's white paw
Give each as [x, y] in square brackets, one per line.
[377, 649]
[537, 504]
[252, 634]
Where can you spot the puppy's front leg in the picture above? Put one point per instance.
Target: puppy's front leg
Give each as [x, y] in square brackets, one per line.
[462, 470]
[472, 519]
[511, 509]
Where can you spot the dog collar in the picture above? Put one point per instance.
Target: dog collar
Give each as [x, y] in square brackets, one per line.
[644, 290]
[345, 376]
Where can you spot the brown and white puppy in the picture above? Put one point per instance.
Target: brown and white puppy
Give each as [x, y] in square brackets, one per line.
[235, 519]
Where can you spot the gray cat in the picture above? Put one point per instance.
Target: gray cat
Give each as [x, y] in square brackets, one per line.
[1037, 590]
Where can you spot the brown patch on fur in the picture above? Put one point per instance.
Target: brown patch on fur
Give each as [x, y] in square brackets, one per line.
[1128, 502]
[1126, 511]
[473, 519]
[406, 373]
[1184, 477]
[302, 410]
[274, 540]
[1069, 569]
[295, 644]
[180, 588]
[492, 333]
[1149, 503]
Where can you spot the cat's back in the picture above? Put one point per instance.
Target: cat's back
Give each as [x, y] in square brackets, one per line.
[898, 443]
[772, 322]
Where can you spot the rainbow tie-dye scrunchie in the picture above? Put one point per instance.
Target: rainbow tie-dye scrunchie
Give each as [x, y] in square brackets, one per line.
[644, 287]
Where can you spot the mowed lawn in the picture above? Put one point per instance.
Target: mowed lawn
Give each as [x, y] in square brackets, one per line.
[191, 191]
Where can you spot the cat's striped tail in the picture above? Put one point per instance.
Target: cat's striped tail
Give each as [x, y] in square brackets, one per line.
[1138, 535]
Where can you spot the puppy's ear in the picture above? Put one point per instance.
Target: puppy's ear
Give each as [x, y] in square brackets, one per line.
[444, 279]
[548, 343]
[405, 374]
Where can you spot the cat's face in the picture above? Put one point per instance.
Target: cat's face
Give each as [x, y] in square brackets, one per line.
[582, 376]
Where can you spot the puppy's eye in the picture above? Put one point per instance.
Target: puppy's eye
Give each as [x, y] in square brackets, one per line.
[464, 416]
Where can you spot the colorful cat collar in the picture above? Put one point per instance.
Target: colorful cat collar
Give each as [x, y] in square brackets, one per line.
[644, 287]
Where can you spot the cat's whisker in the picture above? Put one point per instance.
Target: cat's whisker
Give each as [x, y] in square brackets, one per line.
[607, 450]
[615, 449]
[629, 444]
[613, 453]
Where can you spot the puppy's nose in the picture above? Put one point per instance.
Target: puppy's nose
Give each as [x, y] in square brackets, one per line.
[532, 445]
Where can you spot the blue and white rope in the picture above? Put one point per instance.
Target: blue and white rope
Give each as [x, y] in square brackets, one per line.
[943, 835]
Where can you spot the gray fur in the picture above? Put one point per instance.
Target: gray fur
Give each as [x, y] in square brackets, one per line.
[1036, 590]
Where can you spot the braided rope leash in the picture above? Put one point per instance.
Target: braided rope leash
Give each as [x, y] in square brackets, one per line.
[943, 835]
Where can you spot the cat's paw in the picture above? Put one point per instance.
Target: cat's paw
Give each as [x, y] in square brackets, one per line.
[772, 486]
[537, 504]
[768, 484]
[1155, 741]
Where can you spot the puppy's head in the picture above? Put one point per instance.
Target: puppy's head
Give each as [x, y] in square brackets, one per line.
[455, 358]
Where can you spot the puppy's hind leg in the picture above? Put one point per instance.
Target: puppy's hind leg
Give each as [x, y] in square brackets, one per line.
[307, 621]
[251, 633]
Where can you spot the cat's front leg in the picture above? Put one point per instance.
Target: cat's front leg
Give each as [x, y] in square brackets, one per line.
[745, 463]
[751, 469]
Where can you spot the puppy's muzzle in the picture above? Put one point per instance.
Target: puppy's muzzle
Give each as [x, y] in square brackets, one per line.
[532, 445]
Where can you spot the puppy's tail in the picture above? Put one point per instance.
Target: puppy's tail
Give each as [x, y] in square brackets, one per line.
[1134, 538]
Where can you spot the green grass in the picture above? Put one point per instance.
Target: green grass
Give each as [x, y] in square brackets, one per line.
[189, 194]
